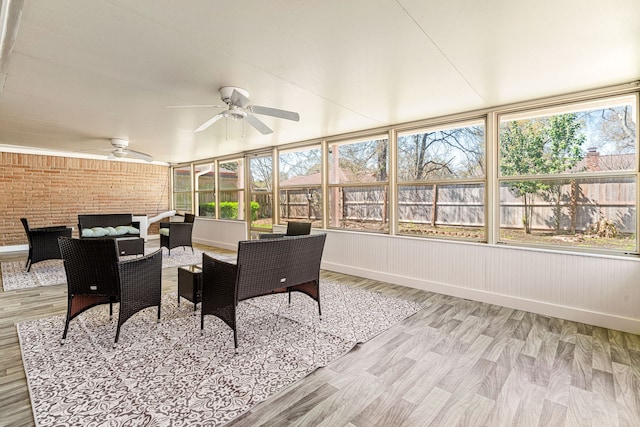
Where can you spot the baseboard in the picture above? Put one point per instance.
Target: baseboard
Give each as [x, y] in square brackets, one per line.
[604, 320]
[222, 245]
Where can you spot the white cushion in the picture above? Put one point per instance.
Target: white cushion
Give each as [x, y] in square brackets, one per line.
[164, 231]
[99, 231]
[122, 229]
[133, 230]
[111, 231]
[87, 232]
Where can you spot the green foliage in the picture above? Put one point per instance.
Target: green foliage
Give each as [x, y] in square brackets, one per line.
[228, 210]
[541, 146]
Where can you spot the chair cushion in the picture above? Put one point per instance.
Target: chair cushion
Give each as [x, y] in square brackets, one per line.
[99, 231]
[122, 229]
[87, 232]
[133, 230]
[164, 231]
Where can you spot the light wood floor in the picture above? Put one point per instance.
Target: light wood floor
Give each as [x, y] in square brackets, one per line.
[455, 363]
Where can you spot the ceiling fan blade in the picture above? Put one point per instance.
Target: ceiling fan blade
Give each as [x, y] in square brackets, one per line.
[256, 123]
[274, 112]
[239, 99]
[208, 123]
[139, 155]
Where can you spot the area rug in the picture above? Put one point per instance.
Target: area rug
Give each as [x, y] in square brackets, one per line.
[167, 373]
[51, 272]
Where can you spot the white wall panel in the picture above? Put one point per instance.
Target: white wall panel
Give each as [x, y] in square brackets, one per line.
[219, 233]
[599, 290]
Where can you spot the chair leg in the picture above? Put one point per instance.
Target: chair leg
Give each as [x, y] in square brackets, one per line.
[117, 334]
[158, 313]
[66, 323]
[28, 265]
[319, 309]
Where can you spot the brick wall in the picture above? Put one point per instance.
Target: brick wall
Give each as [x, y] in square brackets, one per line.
[50, 190]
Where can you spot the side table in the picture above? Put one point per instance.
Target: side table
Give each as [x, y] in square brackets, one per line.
[190, 284]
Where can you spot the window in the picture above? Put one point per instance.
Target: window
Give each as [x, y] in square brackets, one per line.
[182, 188]
[261, 171]
[441, 181]
[568, 175]
[359, 184]
[231, 189]
[300, 195]
[205, 178]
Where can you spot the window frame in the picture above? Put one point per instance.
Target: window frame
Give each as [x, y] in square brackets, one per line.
[559, 108]
[312, 191]
[462, 233]
[338, 187]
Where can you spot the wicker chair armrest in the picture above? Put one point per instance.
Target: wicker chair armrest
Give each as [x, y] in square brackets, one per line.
[164, 225]
[140, 278]
[218, 284]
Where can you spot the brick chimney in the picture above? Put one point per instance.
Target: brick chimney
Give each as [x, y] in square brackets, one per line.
[593, 159]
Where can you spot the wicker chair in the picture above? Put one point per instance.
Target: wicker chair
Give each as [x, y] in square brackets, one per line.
[175, 234]
[293, 229]
[95, 276]
[43, 242]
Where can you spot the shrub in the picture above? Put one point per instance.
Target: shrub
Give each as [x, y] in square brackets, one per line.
[228, 210]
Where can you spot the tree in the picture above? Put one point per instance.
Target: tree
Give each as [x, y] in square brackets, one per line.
[540, 146]
[447, 153]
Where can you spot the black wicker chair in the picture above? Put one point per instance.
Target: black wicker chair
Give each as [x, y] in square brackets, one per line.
[263, 267]
[95, 276]
[293, 229]
[176, 234]
[43, 242]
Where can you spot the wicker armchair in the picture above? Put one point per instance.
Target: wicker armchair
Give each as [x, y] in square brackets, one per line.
[176, 234]
[293, 229]
[95, 276]
[43, 242]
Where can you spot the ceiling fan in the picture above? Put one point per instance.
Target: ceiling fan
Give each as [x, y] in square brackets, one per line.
[121, 150]
[237, 100]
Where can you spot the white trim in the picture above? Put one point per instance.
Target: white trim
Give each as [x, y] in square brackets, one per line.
[14, 248]
[6, 148]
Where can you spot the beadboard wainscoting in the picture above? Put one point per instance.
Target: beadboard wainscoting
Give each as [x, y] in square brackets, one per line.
[223, 234]
[598, 290]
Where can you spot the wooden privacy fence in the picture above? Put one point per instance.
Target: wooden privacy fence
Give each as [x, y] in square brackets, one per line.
[567, 207]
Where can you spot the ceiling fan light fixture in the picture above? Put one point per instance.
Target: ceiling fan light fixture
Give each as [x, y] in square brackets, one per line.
[234, 113]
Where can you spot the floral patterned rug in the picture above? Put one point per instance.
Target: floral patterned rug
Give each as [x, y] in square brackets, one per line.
[167, 373]
[51, 272]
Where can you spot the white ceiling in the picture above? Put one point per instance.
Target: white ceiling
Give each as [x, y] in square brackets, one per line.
[84, 71]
